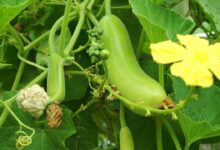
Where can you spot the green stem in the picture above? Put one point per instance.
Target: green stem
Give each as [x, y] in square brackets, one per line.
[121, 7]
[30, 63]
[64, 28]
[82, 69]
[84, 107]
[172, 134]
[53, 30]
[80, 48]
[147, 109]
[17, 119]
[76, 33]
[161, 74]
[92, 18]
[90, 5]
[191, 90]
[74, 73]
[122, 115]
[140, 44]
[19, 74]
[105, 76]
[36, 41]
[107, 7]
[5, 112]
[38, 79]
[159, 134]
[101, 10]
[53, 3]
[16, 36]
[187, 146]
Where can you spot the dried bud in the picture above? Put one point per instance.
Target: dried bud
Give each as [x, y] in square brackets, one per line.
[33, 100]
[54, 115]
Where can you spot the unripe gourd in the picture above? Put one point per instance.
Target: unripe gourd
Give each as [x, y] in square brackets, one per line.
[124, 71]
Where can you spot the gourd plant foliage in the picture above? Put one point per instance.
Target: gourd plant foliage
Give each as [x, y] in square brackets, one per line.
[96, 74]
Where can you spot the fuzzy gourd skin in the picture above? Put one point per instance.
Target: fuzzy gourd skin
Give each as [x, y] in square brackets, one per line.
[124, 71]
[56, 79]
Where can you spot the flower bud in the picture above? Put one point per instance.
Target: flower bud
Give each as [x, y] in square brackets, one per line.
[33, 100]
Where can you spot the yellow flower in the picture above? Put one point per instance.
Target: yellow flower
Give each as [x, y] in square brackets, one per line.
[194, 60]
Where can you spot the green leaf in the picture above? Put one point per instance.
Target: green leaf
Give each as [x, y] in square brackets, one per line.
[160, 23]
[86, 136]
[45, 138]
[212, 9]
[200, 118]
[9, 9]
[76, 87]
[48, 138]
[8, 138]
[144, 133]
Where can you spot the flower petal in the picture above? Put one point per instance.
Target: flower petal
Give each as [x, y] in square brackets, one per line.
[192, 73]
[214, 66]
[193, 43]
[167, 52]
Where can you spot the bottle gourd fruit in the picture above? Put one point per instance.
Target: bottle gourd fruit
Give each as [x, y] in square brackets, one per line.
[124, 71]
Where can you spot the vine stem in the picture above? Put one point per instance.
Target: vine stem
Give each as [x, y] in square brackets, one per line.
[92, 18]
[76, 33]
[30, 63]
[172, 134]
[36, 41]
[107, 7]
[53, 30]
[161, 74]
[84, 107]
[187, 146]
[122, 115]
[159, 134]
[101, 10]
[140, 44]
[16, 36]
[17, 119]
[80, 48]
[64, 28]
[82, 12]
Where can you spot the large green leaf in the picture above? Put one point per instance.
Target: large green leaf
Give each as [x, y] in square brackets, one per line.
[44, 138]
[9, 9]
[212, 9]
[144, 133]
[200, 118]
[160, 23]
[50, 139]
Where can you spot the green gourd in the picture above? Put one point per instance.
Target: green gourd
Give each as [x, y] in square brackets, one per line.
[124, 71]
